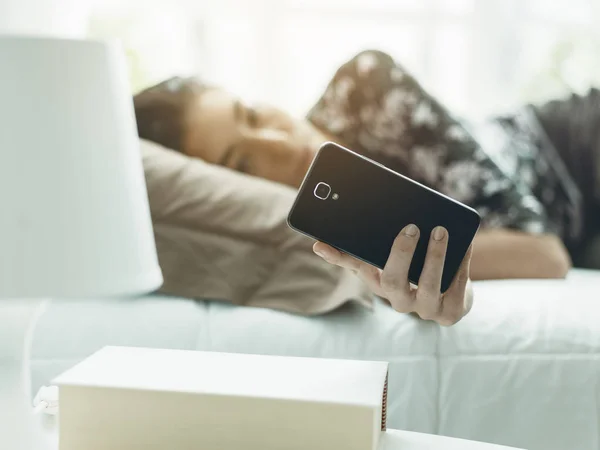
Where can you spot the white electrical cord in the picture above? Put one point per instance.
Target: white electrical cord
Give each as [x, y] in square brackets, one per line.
[46, 401]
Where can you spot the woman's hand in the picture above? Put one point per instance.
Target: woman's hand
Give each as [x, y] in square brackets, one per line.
[392, 283]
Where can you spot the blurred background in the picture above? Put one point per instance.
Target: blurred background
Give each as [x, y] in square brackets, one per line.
[478, 56]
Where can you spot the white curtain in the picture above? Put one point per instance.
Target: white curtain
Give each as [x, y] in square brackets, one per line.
[478, 56]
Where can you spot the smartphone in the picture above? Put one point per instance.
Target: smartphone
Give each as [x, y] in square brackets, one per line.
[359, 206]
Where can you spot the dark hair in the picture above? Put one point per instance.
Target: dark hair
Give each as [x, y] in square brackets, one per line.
[161, 110]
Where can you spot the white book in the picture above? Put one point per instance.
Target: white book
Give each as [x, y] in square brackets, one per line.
[146, 399]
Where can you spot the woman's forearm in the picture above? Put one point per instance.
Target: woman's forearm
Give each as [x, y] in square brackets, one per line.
[499, 254]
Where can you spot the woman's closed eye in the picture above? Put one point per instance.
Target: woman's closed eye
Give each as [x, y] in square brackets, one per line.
[236, 159]
[242, 164]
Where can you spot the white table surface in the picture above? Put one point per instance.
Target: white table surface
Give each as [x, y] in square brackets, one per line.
[406, 440]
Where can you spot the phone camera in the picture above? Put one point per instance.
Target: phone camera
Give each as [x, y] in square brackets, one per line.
[322, 191]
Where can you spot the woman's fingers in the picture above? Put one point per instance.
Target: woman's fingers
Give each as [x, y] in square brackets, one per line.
[368, 273]
[392, 283]
[428, 304]
[394, 278]
[462, 275]
[458, 299]
[334, 256]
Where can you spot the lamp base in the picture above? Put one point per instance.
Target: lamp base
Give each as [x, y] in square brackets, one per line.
[20, 428]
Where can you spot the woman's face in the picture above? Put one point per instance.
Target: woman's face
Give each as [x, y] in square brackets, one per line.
[258, 140]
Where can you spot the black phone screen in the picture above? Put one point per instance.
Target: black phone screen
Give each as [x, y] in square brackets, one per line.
[358, 206]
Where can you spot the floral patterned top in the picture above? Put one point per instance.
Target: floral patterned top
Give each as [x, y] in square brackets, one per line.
[376, 108]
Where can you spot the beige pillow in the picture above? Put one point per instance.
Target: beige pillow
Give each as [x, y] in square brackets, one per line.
[222, 235]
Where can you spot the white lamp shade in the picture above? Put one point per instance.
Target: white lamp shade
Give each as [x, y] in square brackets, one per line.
[74, 214]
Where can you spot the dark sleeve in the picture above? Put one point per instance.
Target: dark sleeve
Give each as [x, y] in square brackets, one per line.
[377, 108]
[573, 126]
